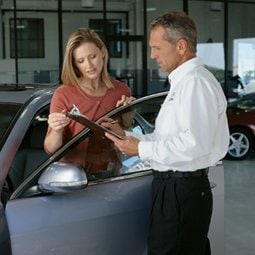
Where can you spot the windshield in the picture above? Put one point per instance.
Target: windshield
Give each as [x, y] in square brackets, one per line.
[244, 103]
[247, 104]
[7, 113]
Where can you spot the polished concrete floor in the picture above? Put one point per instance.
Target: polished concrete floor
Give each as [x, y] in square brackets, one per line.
[240, 206]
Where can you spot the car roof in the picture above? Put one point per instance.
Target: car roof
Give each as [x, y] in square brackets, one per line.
[12, 93]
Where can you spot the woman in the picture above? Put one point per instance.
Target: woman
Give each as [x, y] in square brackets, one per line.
[87, 85]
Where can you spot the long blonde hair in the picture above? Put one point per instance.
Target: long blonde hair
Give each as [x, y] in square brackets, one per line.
[70, 74]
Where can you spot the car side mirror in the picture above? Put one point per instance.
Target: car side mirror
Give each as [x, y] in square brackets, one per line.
[62, 177]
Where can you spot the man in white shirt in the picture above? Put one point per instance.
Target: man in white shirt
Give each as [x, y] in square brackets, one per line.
[191, 134]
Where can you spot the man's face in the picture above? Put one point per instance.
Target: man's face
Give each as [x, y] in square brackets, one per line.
[164, 52]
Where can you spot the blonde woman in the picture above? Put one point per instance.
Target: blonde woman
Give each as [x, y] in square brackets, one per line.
[86, 84]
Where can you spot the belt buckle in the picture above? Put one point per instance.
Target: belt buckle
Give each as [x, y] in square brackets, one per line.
[166, 175]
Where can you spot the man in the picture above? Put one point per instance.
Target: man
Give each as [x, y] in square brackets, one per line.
[191, 134]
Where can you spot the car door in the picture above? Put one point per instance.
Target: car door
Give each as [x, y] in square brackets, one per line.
[109, 216]
[104, 218]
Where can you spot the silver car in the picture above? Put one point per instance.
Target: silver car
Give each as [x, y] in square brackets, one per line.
[50, 207]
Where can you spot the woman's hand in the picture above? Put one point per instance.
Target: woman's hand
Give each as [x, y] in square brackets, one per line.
[112, 125]
[125, 100]
[57, 121]
[54, 139]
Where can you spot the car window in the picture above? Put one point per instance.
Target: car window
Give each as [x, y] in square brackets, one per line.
[149, 109]
[102, 159]
[7, 113]
[141, 118]
[247, 104]
[31, 152]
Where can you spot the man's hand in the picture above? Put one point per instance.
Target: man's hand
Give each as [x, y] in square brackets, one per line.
[128, 146]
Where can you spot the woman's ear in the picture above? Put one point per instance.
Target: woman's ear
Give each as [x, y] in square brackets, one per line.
[103, 51]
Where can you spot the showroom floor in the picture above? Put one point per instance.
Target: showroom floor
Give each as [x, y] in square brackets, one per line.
[240, 206]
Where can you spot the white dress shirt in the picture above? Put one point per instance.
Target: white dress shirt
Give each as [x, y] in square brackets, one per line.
[191, 129]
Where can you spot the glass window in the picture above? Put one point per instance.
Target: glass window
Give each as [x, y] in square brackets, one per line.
[246, 103]
[30, 38]
[31, 152]
[139, 118]
[38, 38]
[209, 19]
[157, 80]
[241, 48]
[7, 113]
[113, 28]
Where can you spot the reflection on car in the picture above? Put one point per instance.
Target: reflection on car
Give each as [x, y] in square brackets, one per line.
[53, 207]
[241, 118]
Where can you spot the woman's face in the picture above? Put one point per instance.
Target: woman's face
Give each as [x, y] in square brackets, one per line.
[89, 59]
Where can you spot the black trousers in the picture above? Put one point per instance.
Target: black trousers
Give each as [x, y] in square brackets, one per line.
[180, 216]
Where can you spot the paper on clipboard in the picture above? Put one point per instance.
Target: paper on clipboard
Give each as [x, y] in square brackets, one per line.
[93, 126]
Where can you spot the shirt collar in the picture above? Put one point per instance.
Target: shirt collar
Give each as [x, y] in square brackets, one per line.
[177, 74]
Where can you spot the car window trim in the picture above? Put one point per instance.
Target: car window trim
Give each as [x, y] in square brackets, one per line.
[122, 177]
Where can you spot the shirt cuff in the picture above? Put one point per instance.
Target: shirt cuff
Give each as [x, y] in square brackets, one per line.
[144, 150]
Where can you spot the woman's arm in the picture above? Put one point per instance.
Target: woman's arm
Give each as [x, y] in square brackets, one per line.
[54, 137]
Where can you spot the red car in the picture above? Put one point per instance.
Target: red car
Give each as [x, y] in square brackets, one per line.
[241, 118]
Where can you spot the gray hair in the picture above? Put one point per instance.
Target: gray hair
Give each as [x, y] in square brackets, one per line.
[177, 25]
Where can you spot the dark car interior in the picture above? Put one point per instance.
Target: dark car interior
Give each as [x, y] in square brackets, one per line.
[7, 113]
[30, 155]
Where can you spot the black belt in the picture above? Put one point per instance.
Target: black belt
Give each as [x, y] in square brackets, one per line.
[179, 174]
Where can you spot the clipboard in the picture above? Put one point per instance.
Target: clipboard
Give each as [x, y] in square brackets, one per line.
[93, 126]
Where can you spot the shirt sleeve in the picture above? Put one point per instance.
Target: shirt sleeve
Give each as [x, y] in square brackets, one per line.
[59, 101]
[197, 118]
